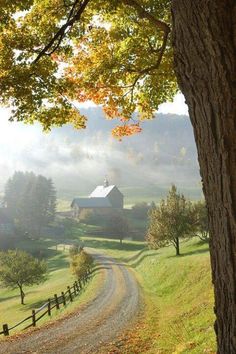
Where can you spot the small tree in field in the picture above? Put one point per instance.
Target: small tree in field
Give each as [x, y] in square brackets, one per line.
[201, 220]
[140, 210]
[18, 269]
[170, 221]
[117, 226]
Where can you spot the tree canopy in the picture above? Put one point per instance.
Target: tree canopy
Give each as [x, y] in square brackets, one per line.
[56, 53]
[19, 269]
[31, 200]
[170, 221]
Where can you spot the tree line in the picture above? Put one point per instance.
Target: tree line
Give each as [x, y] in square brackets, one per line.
[31, 201]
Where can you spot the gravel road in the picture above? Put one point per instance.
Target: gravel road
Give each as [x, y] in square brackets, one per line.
[111, 312]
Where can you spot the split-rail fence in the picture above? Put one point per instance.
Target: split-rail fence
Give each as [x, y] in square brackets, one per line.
[46, 309]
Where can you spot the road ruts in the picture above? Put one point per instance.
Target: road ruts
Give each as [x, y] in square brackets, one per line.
[112, 310]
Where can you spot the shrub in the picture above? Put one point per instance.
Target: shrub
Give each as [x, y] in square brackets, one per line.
[81, 264]
[74, 250]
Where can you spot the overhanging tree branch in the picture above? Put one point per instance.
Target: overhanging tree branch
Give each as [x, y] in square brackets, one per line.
[164, 27]
[73, 17]
[145, 14]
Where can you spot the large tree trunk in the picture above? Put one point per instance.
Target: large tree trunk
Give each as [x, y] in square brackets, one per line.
[204, 37]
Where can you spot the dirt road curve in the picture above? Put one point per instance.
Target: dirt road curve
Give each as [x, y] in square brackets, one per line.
[111, 312]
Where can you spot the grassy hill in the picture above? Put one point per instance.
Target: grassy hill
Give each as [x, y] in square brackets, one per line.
[59, 277]
[178, 314]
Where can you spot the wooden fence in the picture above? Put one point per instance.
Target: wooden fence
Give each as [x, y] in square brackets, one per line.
[53, 303]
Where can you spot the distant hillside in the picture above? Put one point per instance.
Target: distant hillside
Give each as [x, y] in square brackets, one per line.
[143, 166]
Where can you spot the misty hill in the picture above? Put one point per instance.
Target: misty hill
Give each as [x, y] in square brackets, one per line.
[143, 166]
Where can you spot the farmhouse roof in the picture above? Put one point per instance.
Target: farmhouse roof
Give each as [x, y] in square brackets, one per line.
[101, 191]
[92, 202]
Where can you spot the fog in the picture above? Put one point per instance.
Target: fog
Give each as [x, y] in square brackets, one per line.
[162, 154]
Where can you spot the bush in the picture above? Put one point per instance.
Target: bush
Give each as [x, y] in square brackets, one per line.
[81, 264]
[74, 250]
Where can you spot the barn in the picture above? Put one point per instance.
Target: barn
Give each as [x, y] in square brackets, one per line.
[104, 198]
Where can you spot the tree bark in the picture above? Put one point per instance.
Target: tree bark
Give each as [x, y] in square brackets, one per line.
[177, 246]
[204, 40]
[22, 295]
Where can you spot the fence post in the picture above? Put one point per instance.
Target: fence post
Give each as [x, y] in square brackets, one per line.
[33, 318]
[5, 329]
[63, 298]
[70, 295]
[56, 301]
[49, 307]
[80, 284]
[74, 286]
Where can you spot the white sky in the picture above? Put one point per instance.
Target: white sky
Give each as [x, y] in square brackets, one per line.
[21, 144]
[178, 106]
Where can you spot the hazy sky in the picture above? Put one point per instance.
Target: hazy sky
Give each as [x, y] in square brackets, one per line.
[25, 147]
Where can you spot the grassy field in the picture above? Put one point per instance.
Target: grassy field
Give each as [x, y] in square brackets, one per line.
[59, 277]
[178, 297]
[178, 315]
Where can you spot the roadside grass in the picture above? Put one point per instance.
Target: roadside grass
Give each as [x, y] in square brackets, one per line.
[179, 299]
[178, 313]
[112, 247]
[59, 277]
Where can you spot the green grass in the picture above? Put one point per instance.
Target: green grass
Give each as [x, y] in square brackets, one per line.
[59, 277]
[178, 315]
[113, 247]
[178, 296]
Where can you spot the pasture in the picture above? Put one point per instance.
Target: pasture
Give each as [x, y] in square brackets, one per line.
[177, 292]
[59, 277]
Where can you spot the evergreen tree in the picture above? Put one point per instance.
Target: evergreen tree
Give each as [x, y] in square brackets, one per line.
[32, 201]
